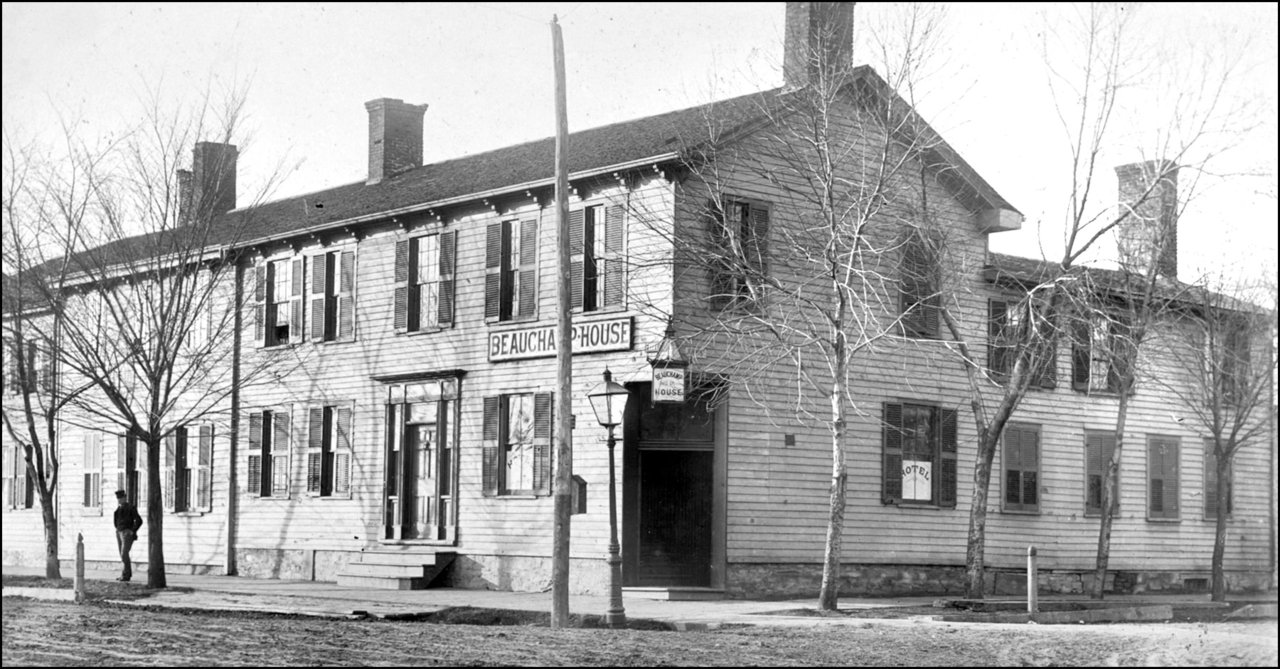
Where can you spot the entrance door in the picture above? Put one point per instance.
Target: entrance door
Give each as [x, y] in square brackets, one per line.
[668, 499]
[421, 472]
[675, 518]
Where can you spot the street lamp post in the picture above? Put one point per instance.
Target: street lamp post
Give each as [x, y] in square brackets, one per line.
[609, 402]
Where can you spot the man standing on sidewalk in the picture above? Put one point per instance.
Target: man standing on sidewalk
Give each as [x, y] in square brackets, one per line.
[127, 523]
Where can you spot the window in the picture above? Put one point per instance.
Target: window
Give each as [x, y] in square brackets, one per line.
[596, 257]
[511, 280]
[1099, 351]
[1211, 481]
[739, 253]
[1006, 332]
[1233, 377]
[278, 297]
[332, 289]
[1098, 448]
[18, 485]
[425, 282]
[919, 455]
[131, 466]
[920, 301]
[200, 310]
[92, 459]
[329, 451]
[268, 453]
[26, 372]
[1162, 478]
[517, 444]
[1022, 468]
[187, 469]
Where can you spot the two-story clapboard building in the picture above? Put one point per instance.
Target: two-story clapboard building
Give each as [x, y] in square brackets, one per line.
[411, 423]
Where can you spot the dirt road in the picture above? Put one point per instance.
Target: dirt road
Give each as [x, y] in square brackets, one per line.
[55, 633]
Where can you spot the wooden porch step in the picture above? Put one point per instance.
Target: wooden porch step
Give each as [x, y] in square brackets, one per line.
[674, 593]
[396, 568]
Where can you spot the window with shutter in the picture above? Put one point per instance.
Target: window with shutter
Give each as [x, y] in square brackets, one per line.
[92, 459]
[203, 474]
[1162, 478]
[919, 452]
[597, 257]
[516, 457]
[511, 277]
[1099, 353]
[331, 296]
[1211, 482]
[267, 460]
[280, 444]
[738, 255]
[19, 486]
[918, 292]
[1099, 446]
[329, 451]
[283, 302]
[1022, 468]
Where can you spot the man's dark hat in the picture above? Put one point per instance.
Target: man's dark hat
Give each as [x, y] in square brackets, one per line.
[121, 493]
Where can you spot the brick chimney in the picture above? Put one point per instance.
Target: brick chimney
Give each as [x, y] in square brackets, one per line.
[818, 35]
[185, 184]
[395, 137]
[1153, 220]
[211, 186]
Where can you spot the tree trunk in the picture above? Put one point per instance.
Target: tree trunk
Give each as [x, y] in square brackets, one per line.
[52, 569]
[1219, 587]
[828, 595]
[155, 516]
[975, 573]
[1108, 494]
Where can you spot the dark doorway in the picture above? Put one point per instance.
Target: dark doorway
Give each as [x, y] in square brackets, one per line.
[669, 454]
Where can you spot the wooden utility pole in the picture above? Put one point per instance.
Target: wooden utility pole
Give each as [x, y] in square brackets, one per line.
[564, 357]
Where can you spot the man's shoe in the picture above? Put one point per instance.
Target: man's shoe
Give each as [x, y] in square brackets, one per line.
[123, 579]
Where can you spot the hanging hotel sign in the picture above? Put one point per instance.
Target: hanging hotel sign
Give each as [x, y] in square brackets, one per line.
[668, 384]
[540, 342]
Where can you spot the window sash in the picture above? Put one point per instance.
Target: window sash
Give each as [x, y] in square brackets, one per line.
[1022, 468]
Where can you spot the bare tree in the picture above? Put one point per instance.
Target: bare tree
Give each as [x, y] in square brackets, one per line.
[1224, 346]
[142, 290]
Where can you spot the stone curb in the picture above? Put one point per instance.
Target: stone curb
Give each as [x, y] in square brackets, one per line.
[1122, 614]
[52, 594]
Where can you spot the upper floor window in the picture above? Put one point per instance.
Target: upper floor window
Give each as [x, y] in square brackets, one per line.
[425, 282]
[332, 299]
[738, 253]
[27, 367]
[517, 444]
[279, 308]
[597, 257]
[511, 276]
[919, 281]
[1232, 359]
[918, 455]
[1009, 328]
[1099, 352]
[131, 466]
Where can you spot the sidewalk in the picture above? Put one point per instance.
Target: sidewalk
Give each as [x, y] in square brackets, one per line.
[318, 598]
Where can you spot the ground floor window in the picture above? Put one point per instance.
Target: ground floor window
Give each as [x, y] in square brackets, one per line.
[1022, 468]
[268, 459]
[919, 454]
[517, 444]
[18, 488]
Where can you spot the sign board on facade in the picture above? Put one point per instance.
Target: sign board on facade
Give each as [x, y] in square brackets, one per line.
[917, 483]
[668, 384]
[540, 342]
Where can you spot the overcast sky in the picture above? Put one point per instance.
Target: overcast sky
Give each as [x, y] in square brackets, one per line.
[485, 70]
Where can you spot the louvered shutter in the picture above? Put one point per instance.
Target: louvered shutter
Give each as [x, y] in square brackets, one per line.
[528, 271]
[757, 249]
[577, 219]
[1098, 449]
[280, 442]
[891, 455]
[92, 472]
[490, 447]
[342, 452]
[919, 309]
[1030, 470]
[346, 296]
[448, 251]
[122, 469]
[613, 272]
[259, 304]
[315, 449]
[1162, 463]
[493, 271]
[947, 460]
[403, 282]
[724, 282]
[297, 326]
[170, 481]
[1081, 359]
[45, 369]
[319, 281]
[542, 412]
[138, 463]
[999, 356]
[253, 483]
[1046, 373]
[204, 470]
[10, 452]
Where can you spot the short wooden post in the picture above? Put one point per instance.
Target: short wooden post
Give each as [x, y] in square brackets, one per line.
[79, 580]
[1033, 605]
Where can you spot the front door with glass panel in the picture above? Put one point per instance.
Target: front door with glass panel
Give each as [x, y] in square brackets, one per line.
[421, 471]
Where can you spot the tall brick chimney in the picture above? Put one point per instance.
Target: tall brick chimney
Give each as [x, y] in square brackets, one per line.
[1153, 220]
[819, 36]
[395, 137]
[212, 182]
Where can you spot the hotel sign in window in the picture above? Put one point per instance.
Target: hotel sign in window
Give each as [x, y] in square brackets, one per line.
[918, 455]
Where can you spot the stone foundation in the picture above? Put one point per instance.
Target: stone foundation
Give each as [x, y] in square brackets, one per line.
[523, 574]
[292, 563]
[805, 580]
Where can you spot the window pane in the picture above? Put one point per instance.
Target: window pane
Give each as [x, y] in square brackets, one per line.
[1012, 487]
[428, 259]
